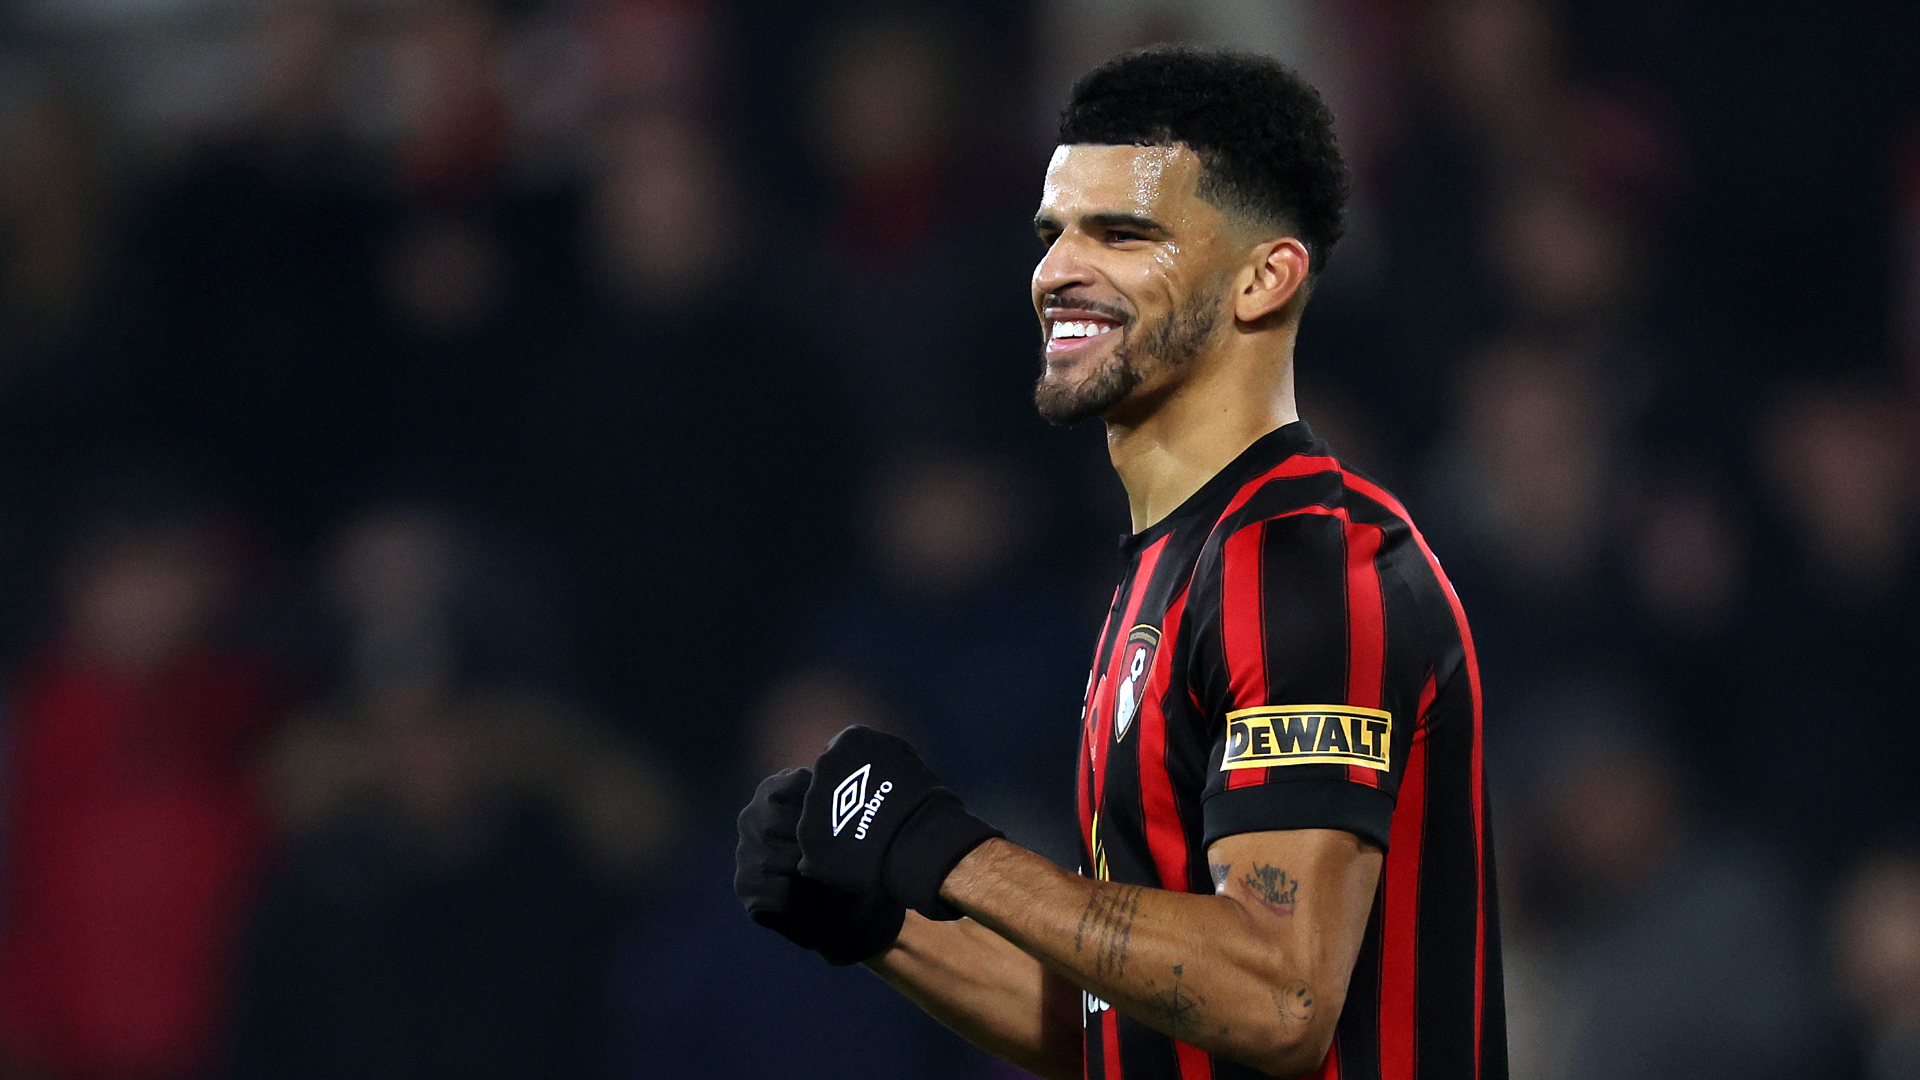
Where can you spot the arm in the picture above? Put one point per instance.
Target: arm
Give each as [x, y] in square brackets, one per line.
[995, 996]
[1257, 973]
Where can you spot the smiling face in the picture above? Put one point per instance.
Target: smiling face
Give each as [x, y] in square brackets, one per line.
[1132, 287]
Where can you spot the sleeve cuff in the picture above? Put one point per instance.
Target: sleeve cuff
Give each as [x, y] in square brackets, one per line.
[1363, 811]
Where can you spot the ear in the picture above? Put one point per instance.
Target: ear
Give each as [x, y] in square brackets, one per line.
[1277, 274]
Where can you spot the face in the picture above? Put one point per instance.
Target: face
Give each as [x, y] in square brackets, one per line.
[1132, 286]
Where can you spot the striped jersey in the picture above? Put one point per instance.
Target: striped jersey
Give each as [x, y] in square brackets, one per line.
[1284, 652]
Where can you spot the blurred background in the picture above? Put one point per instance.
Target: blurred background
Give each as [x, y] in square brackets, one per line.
[450, 449]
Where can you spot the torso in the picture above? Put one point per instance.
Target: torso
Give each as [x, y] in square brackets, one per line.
[1289, 581]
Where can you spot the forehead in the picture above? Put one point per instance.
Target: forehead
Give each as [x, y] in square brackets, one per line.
[1150, 181]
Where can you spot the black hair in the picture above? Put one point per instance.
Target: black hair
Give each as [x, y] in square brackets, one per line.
[1262, 133]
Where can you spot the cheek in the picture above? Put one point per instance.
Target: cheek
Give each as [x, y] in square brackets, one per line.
[1167, 259]
[1154, 297]
[1173, 274]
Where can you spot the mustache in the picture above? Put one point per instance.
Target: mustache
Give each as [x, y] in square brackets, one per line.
[1063, 300]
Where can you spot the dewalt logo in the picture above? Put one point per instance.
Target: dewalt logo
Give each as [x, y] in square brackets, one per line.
[1308, 735]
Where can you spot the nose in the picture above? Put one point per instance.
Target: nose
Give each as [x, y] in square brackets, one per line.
[1060, 268]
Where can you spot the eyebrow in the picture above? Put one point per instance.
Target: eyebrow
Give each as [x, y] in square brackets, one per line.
[1105, 220]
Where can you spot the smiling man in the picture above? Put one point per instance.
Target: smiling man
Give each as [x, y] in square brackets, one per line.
[1285, 866]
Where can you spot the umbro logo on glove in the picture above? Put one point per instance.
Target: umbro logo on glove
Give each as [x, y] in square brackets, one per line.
[907, 830]
[850, 798]
[842, 927]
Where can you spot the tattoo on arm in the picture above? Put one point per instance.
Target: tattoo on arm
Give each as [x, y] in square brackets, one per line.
[1294, 1003]
[1178, 1008]
[1273, 887]
[1220, 872]
[1106, 926]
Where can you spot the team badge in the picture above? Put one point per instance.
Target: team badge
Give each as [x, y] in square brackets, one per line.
[1142, 643]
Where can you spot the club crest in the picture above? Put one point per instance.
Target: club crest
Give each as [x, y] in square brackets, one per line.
[1136, 662]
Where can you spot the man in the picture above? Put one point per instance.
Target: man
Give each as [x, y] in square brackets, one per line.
[1285, 865]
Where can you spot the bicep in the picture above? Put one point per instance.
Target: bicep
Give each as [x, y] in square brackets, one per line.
[1308, 893]
[1311, 683]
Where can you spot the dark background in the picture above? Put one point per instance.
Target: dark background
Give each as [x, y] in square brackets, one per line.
[450, 450]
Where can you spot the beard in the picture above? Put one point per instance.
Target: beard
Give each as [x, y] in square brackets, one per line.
[1170, 343]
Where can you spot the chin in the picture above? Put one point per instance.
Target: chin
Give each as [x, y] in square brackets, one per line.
[1061, 367]
[1065, 400]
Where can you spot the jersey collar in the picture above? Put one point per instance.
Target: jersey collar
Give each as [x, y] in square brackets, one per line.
[1267, 451]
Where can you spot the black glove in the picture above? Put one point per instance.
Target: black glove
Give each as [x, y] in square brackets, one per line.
[843, 927]
[877, 822]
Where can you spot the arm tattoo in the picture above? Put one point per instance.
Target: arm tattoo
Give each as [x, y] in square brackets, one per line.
[1178, 1008]
[1294, 1003]
[1106, 925]
[1273, 887]
[1220, 872]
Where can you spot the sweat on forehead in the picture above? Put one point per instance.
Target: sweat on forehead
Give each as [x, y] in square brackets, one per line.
[1124, 177]
[1163, 183]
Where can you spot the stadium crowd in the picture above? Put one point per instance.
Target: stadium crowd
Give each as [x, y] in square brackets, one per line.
[450, 449]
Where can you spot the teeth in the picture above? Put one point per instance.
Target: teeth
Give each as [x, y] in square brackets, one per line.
[1079, 329]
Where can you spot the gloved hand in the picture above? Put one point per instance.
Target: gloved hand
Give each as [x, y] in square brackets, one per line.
[876, 821]
[841, 926]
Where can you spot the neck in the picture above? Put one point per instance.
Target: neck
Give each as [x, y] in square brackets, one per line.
[1192, 429]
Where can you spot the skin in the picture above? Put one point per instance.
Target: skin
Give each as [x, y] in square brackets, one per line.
[1127, 232]
[1258, 971]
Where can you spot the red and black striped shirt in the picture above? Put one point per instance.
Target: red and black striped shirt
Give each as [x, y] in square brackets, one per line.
[1284, 652]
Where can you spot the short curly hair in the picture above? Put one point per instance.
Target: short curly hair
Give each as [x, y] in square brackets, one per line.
[1262, 133]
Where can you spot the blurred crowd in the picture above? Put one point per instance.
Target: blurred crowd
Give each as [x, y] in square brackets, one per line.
[451, 449]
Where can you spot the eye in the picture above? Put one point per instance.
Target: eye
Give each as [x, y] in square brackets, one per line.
[1122, 236]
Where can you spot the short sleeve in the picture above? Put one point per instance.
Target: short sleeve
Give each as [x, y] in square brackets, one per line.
[1310, 694]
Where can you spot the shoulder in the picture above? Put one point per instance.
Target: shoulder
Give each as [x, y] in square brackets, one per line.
[1314, 498]
[1312, 535]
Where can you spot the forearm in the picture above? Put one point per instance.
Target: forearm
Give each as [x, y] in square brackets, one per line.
[1203, 969]
[990, 992]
